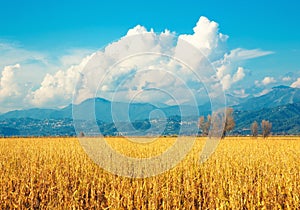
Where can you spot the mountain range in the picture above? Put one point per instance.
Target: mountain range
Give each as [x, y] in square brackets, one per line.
[281, 106]
[279, 95]
[107, 111]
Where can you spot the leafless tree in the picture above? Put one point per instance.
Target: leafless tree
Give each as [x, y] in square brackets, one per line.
[254, 129]
[201, 124]
[81, 134]
[204, 125]
[229, 122]
[266, 127]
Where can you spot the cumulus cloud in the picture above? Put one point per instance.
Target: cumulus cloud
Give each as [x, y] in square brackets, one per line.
[58, 89]
[34, 65]
[8, 84]
[206, 37]
[227, 81]
[12, 88]
[265, 81]
[74, 57]
[296, 84]
[231, 60]
[23, 72]
[138, 30]
[121, 71]
[239, 75]
[268, 80]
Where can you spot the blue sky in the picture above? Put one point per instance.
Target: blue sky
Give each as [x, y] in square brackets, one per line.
[51, 24]
[59, 28]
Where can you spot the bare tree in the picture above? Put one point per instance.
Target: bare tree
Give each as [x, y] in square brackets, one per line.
[81, 134]
[204, 125]
[229, 122]
[254, 129]
[201, 124]
[207, 124]
[266, 127]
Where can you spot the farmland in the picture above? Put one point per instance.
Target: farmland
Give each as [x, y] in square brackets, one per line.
[243, 173]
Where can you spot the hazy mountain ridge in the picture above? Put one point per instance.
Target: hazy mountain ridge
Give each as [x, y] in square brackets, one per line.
[285, 119]
[103, 110]
[281, 106]
[278, 96]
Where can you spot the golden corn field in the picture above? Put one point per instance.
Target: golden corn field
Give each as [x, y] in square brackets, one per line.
[243, 173]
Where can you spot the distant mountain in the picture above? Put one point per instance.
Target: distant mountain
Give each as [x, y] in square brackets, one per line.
[281, 106]
[232, 100]
[35, 113]
[278, 96]
[285, 119]
[108, 111]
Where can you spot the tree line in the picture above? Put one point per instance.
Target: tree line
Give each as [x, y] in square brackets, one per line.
[266, 127]
[205, 124]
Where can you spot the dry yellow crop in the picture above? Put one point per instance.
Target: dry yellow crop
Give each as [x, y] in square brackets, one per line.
[243, 173]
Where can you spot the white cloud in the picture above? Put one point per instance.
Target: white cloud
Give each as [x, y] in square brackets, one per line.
[268, 80]
[239, 75]
[106, 72]
[12, 88]
[227, 81]
[296, 84]
[34, 64]
[257, 83]
[58, 89]
[12, 53]
[23, 72]
[231, 60]
[206, 36]
[138, 30]
[244, 54]
[240, 93]
[263, 92]
[234, 57]
[286, 79]
[74, 57]
[8, 84]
